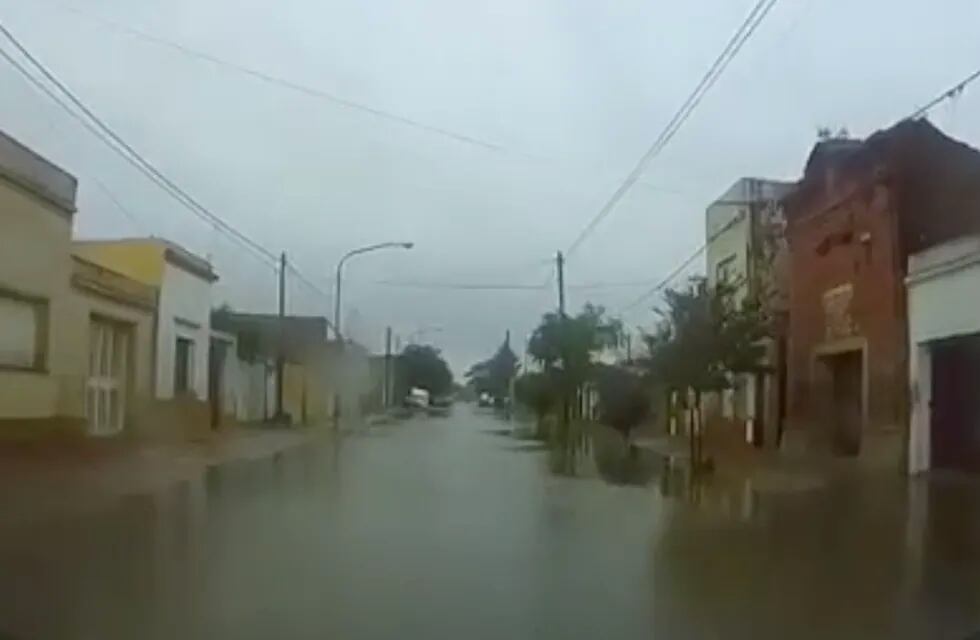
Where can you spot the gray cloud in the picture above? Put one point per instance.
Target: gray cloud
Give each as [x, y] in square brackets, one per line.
[574, 93]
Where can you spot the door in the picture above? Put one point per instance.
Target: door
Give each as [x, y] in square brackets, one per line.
[216, 380]
[105, 397]
[955, 407]
[848, 406]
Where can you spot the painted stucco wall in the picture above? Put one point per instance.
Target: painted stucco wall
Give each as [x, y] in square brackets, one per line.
[942, 303]
[184, 311]
[728, 244]
[88, 306]
[141, 260]
[35, 262]
[944, 291]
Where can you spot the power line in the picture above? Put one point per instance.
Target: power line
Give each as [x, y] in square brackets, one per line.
[126, 151]
[168, 186]
[742, 34]
[952, 92]
[459, 286]
[679, 268]
[103, 187]
[278, 80]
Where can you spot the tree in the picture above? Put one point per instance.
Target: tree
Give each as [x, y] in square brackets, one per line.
[624, 399]
[703, 337]
[537, 391]
[422, 366]
[495, 375]
[565, 347]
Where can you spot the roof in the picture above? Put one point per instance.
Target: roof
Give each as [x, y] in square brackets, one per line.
[935, 180]
[300, 333]
[749, 190]
[37, 175]
[96, 279]
[172, 253]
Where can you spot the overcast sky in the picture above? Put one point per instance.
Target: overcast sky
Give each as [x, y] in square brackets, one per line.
[571, 92]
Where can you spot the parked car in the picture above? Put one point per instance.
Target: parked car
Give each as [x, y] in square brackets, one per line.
[417, 398]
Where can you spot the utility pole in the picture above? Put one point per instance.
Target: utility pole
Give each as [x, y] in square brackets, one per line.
[281, 360]
[560, 262]
[387, 392]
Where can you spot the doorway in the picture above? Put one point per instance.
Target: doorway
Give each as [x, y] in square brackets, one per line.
[105, 393]
[217, 352]
[955, 406]
[847, 401]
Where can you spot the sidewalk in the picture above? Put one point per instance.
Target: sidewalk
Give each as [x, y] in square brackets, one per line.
[766, 470]
[55, 476]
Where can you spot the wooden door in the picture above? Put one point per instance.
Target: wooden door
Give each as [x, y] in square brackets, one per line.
[847, 402]
[955, 409]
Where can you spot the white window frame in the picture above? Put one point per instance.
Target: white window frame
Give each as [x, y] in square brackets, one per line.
[38, 351]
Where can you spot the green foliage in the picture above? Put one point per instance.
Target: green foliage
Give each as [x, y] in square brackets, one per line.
[494, 375]
[565, 346]
[423, 366]
[536, 391]
[704, 335]
[624, 398]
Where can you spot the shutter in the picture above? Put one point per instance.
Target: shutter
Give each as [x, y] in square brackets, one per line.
[18, 333]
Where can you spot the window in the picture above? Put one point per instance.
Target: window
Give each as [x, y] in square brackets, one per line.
[22, 332]
[725, 270]
[184, 366]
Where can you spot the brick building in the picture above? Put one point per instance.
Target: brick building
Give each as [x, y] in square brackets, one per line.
[860, 209]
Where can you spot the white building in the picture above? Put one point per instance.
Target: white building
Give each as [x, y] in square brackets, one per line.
[944, 356]
[183, 323]
[743, 236]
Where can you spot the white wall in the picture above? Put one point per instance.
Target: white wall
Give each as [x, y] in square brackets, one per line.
[943, 302]
[184, 311]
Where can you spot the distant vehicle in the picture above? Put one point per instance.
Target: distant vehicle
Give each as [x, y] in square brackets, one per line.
[442, 402]
[485, 400]
[418, 398]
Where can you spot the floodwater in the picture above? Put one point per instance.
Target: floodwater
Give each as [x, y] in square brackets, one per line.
[444, 528]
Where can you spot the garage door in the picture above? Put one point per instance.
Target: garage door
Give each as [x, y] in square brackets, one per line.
[106, 390]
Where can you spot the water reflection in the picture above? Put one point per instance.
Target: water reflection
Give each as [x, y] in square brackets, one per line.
[437, 531]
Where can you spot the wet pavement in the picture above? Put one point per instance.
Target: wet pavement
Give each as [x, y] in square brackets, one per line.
[452, 528]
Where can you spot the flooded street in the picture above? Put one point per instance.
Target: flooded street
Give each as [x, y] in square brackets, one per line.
[447, 528]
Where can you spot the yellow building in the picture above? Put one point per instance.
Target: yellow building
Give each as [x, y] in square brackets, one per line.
[76, 339]
[37, 206]
[183, 282]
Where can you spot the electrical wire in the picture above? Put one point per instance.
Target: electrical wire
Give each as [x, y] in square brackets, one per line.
[126, 151]
[734, 45]
[950, 93]
[458, 286]
[264, 255]
[277, 80]
[661, 284]
[102, 186]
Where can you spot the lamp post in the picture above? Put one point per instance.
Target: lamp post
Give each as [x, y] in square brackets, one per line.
[340, 267]
[416, 336]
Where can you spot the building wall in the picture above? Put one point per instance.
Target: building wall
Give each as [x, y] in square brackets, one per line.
[729, 245]
[943, 286]
[847, 292]
[88, 306]
[184, 311]
[734, 227]
[35, 263]
[141, 260]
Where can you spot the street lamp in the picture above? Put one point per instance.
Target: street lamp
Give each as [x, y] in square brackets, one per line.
[340, 266]
[418, 333]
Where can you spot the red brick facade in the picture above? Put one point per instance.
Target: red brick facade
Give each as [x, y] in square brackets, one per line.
[847, 294]
[860, 209]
